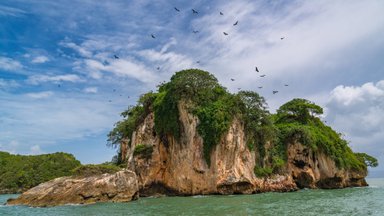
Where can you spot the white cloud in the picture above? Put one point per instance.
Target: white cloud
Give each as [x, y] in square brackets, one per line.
[12, 146]
[35, 150]
[54, 119]
[8, 84]
[81, 50]
[10, 64]
[40, 95]
[36, 79]
[91, 90]
[40, 59]
[10, 11]
[121, 68]
[357, 111]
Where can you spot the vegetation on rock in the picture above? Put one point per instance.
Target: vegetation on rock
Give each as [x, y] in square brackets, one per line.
[143, 150]
[18, 172]
[94, 169]
[266, 134]
[297, 120]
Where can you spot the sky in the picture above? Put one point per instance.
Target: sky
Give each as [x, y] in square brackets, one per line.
[68, 68]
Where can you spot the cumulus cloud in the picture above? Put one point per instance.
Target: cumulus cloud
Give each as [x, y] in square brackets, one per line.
[36, 79]
[9, 64]
[40, 59]
[357, 111]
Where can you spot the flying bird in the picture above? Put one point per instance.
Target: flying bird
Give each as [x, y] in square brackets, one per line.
[274, 92]
[257, 69]
[239, 89]
[116, 57]
[110, 101]
[114, 90]
[195, 31]
[221, 13]
[59, 85]
[197, 62]
[232, 79]
[225, 33]
[153, 36]
[281, 38]
[260, 87]
[194, 11]
[158, 68]
[262, 75]
[236, 23]
[177, 9]
[286, 85]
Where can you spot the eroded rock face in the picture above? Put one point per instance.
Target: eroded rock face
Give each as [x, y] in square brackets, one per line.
[178, 167]
[311, 169]
[119, 187]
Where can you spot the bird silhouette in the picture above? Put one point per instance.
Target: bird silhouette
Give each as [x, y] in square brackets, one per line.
[221, 13]
[158, 68]
[262, 75]
[114, 90]
[116, 57]
[239, 89]
[260, 87]
[110, 101]
[257, 69]
[274, 92]
[197, 62]
[236, 23]
[177, 9]
[195, 31]
[281, 38]
[59, 85]
[286, 85]
[194, 11]
[153, 36]
[232, 79]
[225, 33]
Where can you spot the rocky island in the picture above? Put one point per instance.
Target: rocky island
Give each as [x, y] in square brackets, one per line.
[194, 137]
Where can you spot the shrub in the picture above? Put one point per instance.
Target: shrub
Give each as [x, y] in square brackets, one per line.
[94, 169]
[263, 171]
[143, 150]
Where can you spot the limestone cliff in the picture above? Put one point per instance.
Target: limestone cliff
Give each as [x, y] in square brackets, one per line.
[177, 167]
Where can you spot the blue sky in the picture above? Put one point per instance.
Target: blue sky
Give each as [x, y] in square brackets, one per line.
[61, 89]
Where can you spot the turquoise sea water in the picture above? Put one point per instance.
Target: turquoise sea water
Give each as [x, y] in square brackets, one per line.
[350, 201]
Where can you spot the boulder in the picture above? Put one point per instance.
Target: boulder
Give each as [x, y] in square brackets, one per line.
[121, 186]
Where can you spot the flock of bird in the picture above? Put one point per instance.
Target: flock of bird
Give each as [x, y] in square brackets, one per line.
[153, 36]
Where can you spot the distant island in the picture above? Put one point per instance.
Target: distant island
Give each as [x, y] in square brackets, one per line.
[194, 137]
[20, 172]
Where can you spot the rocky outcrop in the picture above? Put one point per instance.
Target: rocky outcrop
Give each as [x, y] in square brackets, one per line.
[177, 167]
[312, 169]
[118, 187]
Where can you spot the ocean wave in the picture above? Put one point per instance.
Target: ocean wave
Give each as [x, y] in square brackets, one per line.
[199, 196]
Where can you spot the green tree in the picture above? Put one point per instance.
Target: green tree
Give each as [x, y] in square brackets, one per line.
[299, 109]
[367, 159]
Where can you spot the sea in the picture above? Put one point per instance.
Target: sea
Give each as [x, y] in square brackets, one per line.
[349, 201]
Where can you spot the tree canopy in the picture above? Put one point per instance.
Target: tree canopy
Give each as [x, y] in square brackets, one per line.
[18, 172]
[299, 109]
